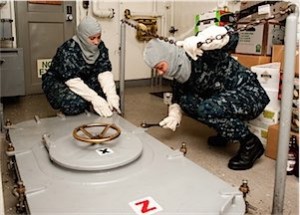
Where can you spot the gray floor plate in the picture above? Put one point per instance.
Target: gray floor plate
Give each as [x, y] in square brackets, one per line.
[154, 178]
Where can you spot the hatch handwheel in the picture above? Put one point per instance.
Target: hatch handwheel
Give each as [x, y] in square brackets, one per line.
[96, 133]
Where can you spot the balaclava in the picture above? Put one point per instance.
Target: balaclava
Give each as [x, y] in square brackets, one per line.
[88, 26]
[179, 64]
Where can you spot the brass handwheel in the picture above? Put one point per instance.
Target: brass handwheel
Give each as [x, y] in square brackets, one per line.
[86, 133]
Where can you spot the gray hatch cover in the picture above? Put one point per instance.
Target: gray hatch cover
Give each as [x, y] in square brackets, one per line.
[156, 179]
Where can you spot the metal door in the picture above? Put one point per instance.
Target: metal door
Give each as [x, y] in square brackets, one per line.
[41, 27]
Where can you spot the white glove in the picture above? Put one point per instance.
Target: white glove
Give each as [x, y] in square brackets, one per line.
[106, 80]
[190, 43]
[212, 33]
[190, 46]
[172, 121]
[101, 107]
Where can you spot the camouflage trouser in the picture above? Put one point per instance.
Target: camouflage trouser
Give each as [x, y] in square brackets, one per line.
[226, 112]
[62, 98]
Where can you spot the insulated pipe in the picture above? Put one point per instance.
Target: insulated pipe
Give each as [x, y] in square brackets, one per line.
[122, 66]
[102, 13]
[286, 112]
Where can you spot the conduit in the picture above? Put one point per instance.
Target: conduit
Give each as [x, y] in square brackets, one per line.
[286, 112]
[102, 13]
[122, 66]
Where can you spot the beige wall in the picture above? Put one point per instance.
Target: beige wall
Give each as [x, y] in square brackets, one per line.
[170, 13]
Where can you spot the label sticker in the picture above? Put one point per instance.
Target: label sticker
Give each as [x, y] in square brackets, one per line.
[104, 151]
[264, 9]
[42, 66]
[145, 206]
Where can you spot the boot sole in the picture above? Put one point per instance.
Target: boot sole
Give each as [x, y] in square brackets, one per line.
[260, 153]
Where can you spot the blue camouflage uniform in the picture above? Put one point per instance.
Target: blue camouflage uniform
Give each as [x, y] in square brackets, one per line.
[221, 93]
[68, 63]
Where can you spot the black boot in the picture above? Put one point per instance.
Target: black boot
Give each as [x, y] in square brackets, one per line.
[217, 140]
[250, 150]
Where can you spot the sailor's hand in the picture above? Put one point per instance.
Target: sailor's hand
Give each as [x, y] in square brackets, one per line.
[190, 46]
[114, 102]
[106, 80]
[172, 121]
[213, 37]
[101, 107]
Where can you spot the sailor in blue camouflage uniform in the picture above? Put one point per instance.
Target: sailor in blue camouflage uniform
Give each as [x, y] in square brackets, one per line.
[80, 76]
[213, 88]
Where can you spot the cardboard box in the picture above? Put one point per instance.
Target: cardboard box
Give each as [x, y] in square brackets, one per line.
[260, 39]
[269, 116]
[217, 17]
[276, 34]
[251, 41]
[278, 56]
[272, 141]
[251, 60]
[247, 4]
[268, 75]
[203, 21]
[273, 96]
[261, 133]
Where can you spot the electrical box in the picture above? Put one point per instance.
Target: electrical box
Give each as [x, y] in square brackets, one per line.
[12, 72]
[218, 17]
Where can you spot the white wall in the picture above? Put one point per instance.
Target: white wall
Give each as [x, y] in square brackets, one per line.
[135, 67]
[170, 13]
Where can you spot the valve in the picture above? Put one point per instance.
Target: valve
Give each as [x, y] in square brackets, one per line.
[244, 188]
[8, 124]
[127, 14]
[10, 147]
[183, 148]
[10, 164]
[173, 30]
[19, 191]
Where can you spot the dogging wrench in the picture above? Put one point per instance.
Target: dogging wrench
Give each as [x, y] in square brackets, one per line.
[148, 125]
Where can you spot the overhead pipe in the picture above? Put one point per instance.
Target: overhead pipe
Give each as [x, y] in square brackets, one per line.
[285, 112]
[102, 13]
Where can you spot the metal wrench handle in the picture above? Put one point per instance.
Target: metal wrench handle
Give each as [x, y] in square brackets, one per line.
[148, 125]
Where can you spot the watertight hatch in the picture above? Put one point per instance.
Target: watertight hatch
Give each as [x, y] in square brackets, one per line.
[72, 153]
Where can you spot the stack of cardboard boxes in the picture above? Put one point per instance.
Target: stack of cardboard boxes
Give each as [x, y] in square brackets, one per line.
[269, 77]
[255, 43]
[261, 49]
[266, 125]
[254, 51]
[259, 39]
